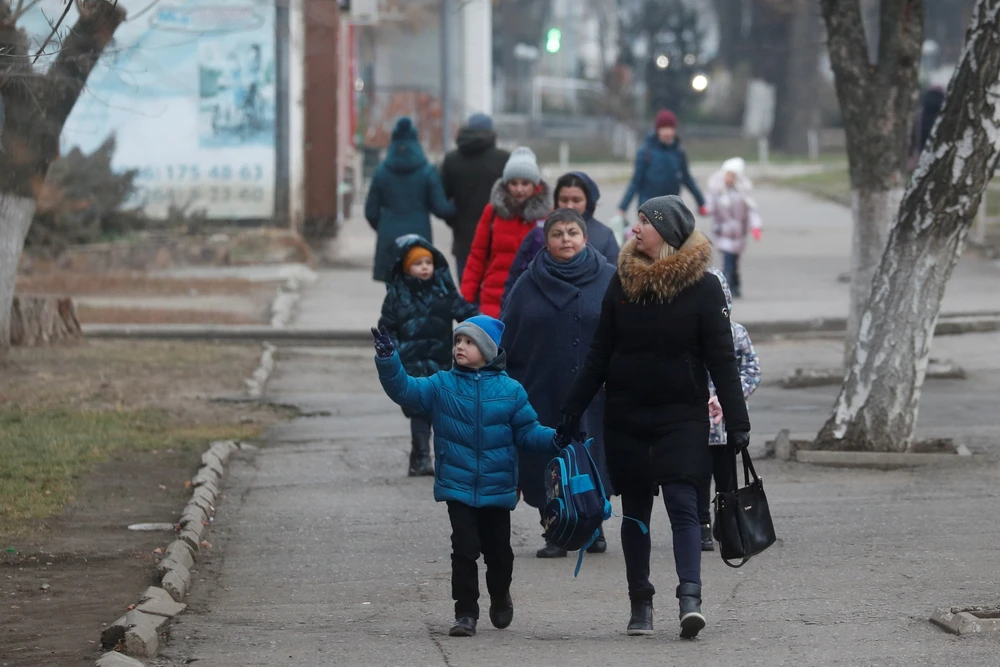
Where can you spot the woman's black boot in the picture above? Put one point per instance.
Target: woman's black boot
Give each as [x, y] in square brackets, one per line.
[692, 621]
[641, 622]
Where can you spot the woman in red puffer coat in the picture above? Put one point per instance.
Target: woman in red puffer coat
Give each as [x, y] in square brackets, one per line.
[519, 202]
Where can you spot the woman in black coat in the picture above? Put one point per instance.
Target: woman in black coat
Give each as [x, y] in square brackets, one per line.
[664, 323]
[560, 293]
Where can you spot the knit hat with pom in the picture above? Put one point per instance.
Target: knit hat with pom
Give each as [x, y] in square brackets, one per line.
[522, 164]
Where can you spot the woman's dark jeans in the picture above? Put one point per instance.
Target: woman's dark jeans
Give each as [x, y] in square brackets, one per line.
[681, 500]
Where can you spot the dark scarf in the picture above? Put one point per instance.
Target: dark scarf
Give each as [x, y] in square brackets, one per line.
[561, 281]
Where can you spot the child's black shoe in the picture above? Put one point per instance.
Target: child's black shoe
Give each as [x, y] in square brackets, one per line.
[502, 612]
[464, 627]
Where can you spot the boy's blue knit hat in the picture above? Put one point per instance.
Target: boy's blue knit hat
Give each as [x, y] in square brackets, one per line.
[485, 332]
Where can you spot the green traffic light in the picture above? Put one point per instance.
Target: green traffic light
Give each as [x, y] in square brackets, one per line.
[553, 39]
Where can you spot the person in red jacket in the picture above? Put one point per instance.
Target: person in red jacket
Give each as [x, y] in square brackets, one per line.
[519, 201]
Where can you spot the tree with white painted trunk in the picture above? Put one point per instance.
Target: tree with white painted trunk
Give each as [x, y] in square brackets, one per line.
[877, 90]
[878, 402]
[35, 108]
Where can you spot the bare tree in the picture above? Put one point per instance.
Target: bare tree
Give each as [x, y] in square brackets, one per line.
[877, 406]
[36, 106]
[877, 100]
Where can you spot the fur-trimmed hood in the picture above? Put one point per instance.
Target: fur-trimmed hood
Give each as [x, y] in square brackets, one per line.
[535, 207]
[663, 279]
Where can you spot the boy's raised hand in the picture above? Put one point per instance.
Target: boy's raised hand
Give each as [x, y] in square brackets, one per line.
[383, 344]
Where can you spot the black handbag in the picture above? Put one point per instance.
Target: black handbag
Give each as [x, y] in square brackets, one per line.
[743, 526]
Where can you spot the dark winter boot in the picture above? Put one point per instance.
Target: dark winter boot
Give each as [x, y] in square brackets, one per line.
[706, 537]
[550, 551]
[464, 627]
[641, 622]
[692, 621]
[502, 612]
[600, 545]
[422, 445]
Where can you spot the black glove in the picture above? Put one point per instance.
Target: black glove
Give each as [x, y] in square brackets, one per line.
[737, 441]
[383, 344]
[569, 428]
[560, 439]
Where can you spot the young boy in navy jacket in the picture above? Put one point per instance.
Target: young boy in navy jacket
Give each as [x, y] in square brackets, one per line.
[481, 417]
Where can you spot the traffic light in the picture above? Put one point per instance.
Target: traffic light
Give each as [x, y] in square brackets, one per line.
[553, 40]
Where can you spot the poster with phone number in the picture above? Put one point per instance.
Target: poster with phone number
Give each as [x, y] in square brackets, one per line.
[188, 90]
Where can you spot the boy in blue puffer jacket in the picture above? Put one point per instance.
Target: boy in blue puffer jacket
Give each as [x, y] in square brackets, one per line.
[481, 417]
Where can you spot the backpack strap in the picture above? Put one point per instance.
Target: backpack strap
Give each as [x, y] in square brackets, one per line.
[583, 550]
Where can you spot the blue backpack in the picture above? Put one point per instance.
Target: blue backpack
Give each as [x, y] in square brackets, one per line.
[576, 504]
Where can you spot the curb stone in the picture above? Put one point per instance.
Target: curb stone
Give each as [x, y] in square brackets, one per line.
[176, 581]
[137, 632]
[255, 383]
[876, 460]
[180, 553]
[115, 659]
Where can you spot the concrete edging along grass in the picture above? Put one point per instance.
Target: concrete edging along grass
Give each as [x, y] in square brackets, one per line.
[954, 324]
[137, 632]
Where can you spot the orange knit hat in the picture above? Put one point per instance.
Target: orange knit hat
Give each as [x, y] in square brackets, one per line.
[413, 254]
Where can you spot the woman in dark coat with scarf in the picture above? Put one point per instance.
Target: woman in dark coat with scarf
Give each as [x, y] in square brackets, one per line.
[405, 190]
[550, 318]
[664, 323]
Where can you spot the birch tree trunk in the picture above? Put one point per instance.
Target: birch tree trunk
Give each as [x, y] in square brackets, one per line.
[35, 108]
[877, 102]
[16, 214]
[878, 402]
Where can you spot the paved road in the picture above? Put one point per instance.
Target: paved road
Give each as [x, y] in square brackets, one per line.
[325, 554]
[792, 274]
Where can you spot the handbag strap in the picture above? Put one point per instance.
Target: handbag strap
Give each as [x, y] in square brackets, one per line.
[748, 470]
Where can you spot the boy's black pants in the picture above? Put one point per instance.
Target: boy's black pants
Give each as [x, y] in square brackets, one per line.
[476, 530]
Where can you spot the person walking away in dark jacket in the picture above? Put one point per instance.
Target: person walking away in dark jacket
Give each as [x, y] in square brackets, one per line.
[722, 463]
[482, 418]
[468, 174]
[405, 190]
[519, 201]
[577, 191]
[421, 301]
[664, 330]
[560, 292]
[661, 166]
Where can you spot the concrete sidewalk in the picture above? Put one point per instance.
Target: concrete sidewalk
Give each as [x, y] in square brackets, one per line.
[791, 275]
[326, 554]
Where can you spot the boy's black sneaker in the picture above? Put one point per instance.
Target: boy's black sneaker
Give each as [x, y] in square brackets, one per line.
[550, 551]
[464, 627]
[502, 613]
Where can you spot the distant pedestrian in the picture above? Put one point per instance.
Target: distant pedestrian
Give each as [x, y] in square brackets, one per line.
[518, 201]
[550, 318]
[576, 191]
[468, 174]
[661, 166]
[421, 302]
[405, 190]
[664, 331]
[482, 419]
[931, 103]
[734, 217]
[722, 458]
